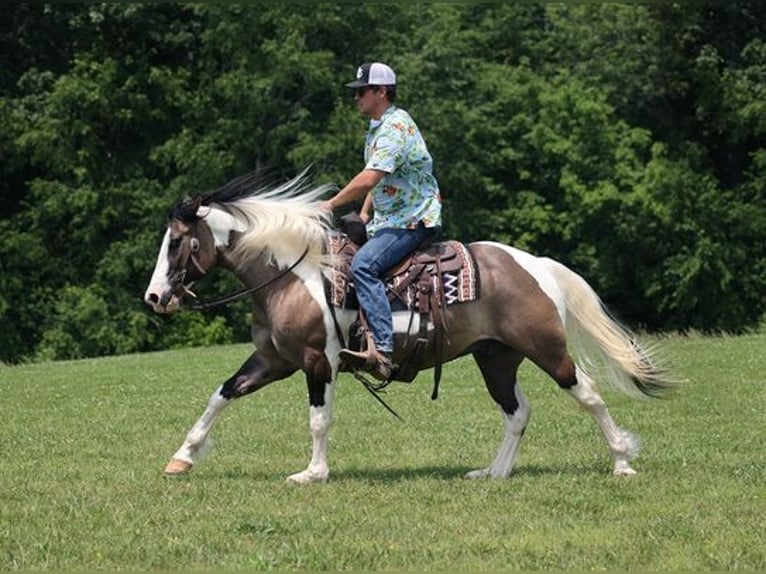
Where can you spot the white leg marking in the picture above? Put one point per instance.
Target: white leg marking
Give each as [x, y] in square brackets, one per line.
[515, 424]
[623, 445]
[196, 445]
[320, 418]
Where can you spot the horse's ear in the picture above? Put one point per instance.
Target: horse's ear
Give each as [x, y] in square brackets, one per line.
[195, 202]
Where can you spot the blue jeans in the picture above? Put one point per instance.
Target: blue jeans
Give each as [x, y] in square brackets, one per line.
[382, 252]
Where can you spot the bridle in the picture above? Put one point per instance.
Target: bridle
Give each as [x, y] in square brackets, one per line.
[178, 279]
[179, 286]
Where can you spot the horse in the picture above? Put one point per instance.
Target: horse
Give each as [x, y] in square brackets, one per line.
[273, 238]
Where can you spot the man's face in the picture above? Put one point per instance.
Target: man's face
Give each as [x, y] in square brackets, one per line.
[366, 100]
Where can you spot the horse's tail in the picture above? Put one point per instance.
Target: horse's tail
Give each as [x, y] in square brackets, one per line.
[603, 348]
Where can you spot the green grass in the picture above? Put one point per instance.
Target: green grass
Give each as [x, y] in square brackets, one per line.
[83, 445]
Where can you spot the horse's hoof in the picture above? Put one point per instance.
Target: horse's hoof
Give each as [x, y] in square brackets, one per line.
[306, 477]
[624, 471]
[474, 474]
[177, 467]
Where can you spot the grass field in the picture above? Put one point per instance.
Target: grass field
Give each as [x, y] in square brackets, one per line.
[83, 445]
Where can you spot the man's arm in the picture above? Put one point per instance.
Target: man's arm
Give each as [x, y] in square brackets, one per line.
[362, 182]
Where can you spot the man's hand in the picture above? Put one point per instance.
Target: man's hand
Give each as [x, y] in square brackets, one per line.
[362, 183]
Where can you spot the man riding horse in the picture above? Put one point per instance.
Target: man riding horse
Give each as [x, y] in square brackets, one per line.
[398, 180]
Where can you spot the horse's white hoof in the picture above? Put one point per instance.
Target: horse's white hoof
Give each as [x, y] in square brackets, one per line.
[623, 470]
[176, 467]
[474, 474]
[307, 477]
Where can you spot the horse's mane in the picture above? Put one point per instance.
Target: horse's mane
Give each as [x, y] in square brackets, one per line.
[283, 220]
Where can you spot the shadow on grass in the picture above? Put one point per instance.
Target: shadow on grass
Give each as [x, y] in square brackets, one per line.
[399, 474]
[391, 475]
[459, 472]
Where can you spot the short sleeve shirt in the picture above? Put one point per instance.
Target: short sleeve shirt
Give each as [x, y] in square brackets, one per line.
[408, 192]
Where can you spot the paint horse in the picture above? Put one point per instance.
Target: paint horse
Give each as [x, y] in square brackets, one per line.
[274, 238]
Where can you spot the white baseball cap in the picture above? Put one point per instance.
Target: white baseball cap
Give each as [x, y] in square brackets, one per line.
[373, 74]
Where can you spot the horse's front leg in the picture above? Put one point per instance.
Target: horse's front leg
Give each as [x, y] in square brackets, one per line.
[254, 374]
[320, 376]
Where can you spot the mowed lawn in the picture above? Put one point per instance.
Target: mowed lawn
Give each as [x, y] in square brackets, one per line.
[83, 445]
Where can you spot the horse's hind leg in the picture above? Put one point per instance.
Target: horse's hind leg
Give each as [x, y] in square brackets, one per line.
[622, 444]
[254, 374]
[560, 366]
[499, 365]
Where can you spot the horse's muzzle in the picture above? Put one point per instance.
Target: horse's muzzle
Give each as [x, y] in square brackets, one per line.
[167, 302]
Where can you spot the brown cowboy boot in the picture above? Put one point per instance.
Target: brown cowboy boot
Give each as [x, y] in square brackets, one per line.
[375, 362]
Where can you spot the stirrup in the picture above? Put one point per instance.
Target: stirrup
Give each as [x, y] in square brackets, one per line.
[371, 361]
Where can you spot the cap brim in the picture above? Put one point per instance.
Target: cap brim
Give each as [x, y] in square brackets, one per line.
[357, 84]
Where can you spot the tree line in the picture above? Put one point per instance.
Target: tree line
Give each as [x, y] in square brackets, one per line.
[625, 140]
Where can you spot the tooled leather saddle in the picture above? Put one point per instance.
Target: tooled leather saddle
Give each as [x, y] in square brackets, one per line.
[434, 276]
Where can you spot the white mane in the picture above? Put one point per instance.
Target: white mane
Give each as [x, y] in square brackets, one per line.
[284, 222]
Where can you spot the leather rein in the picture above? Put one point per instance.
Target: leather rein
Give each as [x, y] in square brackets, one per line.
[247, 290]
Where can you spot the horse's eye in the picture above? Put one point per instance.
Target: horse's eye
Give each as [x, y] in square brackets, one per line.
[194, 244]
[175, 243]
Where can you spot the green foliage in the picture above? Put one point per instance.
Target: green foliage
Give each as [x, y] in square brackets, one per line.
[194, 330]
[82, 326]
[624, 140]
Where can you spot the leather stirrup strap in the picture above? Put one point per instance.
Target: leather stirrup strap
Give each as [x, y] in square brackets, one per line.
[440, 327]
[328, 299]
[438, 342]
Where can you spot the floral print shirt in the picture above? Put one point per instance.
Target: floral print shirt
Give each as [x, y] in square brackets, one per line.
[408, 192]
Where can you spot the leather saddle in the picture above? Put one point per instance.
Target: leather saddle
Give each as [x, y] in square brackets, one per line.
[435, 275]
[413, 274]
[410, 283]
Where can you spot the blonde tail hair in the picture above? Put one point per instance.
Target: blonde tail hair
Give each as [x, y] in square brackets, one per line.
[603, 348]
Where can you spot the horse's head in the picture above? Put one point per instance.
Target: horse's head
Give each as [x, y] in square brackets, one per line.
[187, 253]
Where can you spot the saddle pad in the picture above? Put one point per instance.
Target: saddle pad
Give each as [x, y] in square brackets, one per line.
[461, 283]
